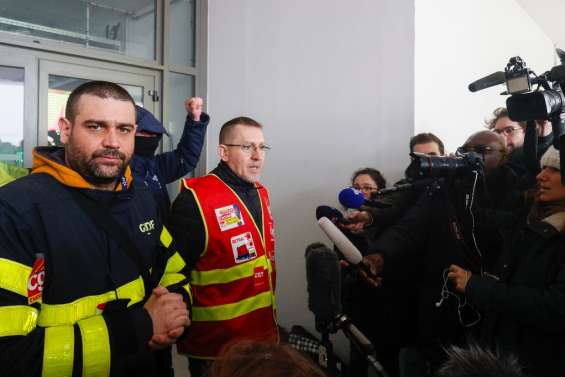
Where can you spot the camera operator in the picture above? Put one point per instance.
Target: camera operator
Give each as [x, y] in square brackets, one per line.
[452, 221]
[515, 135]
[525, 305]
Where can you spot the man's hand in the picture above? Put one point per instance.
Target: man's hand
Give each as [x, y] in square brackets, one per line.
[169, 315]
[459, 277]
[358, 220]
[374, 264]
[193, 106]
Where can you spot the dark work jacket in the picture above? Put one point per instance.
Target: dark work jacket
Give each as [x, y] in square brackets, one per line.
[186, 222]
[525, 309]
[159, 170]
[38, 215]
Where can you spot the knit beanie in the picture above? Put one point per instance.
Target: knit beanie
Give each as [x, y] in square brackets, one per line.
[551, 158]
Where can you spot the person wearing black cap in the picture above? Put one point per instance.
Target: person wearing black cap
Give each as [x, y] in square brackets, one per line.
[156, 171]
[524, 305]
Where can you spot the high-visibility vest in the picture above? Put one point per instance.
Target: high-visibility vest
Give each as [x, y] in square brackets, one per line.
[233, 283]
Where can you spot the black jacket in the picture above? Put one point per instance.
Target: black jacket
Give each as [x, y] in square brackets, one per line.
[159, 170]
[38, 215]
[525, 309]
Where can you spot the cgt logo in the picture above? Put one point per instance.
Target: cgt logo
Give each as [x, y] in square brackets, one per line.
[147, 227]
[35, 282]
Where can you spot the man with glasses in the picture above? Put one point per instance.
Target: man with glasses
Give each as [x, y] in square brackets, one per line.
[489, 145]
[223, 225]
[514, 133]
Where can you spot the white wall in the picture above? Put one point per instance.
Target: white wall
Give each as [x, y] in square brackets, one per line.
[458, 42]
[332, 82]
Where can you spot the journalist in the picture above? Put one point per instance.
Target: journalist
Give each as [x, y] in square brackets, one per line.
[525, 302]
[453, 220]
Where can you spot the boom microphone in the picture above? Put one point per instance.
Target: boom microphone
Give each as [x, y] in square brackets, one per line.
[324, 284]
[493, 79]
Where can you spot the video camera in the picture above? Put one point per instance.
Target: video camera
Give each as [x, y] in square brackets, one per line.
[533, 97]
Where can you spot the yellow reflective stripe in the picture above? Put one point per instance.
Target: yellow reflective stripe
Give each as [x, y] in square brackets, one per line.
[134, 290]
[14, 276]
[84, 307]
[175, 263]
[95, 347]
[58, 351]
[166, 237]
[227, 275]
[189, 291]
[17, 320]
[170, 279]
[229, 311]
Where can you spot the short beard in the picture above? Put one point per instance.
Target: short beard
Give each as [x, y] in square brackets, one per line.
[92, 172]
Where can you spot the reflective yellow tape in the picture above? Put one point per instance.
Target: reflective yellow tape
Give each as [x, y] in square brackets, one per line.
[229, 311]
[170, 279]
[84, 307]
[14, 276]
[188, 290]
[227, 275]
[95, 347]
[166, 237]
[58, 351]
[175, 263]
[134, 290]
[17, 320]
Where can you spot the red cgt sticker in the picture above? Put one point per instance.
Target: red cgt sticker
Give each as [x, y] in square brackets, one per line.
[36, 280]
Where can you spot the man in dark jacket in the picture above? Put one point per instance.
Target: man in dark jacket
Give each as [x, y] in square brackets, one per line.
[156, 171]
[84, 258]
[447, 224]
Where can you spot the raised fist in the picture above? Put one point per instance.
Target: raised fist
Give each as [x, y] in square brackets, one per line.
[193, 106]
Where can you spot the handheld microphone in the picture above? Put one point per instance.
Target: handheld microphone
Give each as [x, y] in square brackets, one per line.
[324, 284]
[493, 79]
[331, 213]
[351, 198]
[349, 251]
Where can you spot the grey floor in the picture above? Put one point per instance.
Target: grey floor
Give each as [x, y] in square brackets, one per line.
[180, 363]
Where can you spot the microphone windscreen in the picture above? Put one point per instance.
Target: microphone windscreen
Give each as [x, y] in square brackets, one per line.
[329, 212]
[349, 251]
[324, 282]
[351, 198]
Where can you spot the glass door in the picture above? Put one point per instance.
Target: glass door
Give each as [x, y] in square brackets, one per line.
[57, 80]
[17, 130]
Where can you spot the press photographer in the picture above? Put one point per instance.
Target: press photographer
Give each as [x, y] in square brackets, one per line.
[461, 216]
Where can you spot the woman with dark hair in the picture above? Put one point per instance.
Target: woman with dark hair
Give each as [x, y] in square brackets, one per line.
[525, 305]
[258, 359]
[368, 181]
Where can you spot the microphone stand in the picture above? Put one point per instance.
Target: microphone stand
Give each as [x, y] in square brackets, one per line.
[359, 340]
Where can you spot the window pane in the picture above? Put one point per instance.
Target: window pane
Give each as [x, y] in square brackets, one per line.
[180, 88]
[183, 26]
[60, 87]
[123, 26]
[12, 125]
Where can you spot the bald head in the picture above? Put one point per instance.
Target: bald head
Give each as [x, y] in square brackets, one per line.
[491, 145]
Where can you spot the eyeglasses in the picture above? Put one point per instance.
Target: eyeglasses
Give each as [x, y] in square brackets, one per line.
[480, 149]
[507, 130]
[365, 188]
[248, 148]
